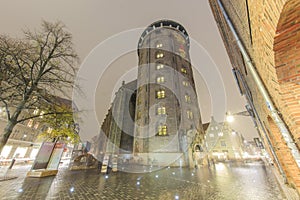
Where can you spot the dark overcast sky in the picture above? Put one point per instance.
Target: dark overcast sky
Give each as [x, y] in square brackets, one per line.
[93, 21]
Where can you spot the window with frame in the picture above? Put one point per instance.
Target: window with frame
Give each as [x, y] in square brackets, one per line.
[30, 123]
[185, 83]
[160, 94]
[187, 98]
[159, 55]
[160, 79]
[36, 111]
[41, 114]
[36, 126]
[189, 114]
[161, 110]
[183, 70]
[49, 130]
[159, 45]
[159, 66]
[162, 130]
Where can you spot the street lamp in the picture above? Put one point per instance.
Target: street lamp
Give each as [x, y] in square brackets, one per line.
[230, 117]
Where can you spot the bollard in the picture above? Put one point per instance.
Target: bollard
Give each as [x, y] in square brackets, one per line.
[12, 163]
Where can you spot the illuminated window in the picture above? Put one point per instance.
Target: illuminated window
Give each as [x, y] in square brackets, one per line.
[30, 123]
[160, 79]
[161, 110]
[189, 114]
[220, 134]
[36, 125]
[160, 94]
[159, 66]
[162, 130]
[41, 114]
[187, 98]
[36, 111]
[183, 70]
[159, 45]
[185, 83]
[49, 130]
[138, 116]
[159, 55]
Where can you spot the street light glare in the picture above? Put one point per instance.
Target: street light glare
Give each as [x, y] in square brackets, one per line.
[229, 118]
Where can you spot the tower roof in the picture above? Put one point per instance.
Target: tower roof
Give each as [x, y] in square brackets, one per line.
[164, 24]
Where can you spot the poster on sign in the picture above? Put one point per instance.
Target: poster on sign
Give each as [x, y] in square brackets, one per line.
[43, 156]
[56, 156]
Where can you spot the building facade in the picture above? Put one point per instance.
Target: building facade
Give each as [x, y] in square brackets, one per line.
[223, 143]
[156, 118]
[24, 142]
[167, 113]
[267, 71]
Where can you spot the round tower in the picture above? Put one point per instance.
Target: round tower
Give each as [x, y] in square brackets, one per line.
[167, 112]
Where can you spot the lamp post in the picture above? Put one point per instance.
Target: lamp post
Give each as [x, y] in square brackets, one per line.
[230, 116]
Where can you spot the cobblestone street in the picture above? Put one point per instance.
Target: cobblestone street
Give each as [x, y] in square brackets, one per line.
[224, 181]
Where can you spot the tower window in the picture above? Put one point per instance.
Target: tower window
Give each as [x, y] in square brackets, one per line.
[160, 79]
[159, 66]
[162, 130]
[189, 114]
[183, 70]
[159, 45]
[187, 98]
[161, 110]
[160, 94]
[185, 83]
[159, 55]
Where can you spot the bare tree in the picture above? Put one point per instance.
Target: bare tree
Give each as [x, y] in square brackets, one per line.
[33, 70]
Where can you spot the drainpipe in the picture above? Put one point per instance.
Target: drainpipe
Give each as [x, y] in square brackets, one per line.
[274, 113]
[261, 125]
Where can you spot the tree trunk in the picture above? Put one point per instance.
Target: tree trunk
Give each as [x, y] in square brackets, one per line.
[7, 131]
[11, 124]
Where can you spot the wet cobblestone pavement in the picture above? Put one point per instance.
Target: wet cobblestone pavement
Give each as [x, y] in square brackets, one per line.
[224, 181]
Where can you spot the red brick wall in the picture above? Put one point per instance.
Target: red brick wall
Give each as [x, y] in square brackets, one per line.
[273, 46]
[287, 64]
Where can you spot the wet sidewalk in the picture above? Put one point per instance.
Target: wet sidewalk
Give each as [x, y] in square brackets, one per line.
[223, 181]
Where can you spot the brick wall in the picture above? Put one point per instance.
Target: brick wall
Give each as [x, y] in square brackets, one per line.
[270, 32]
